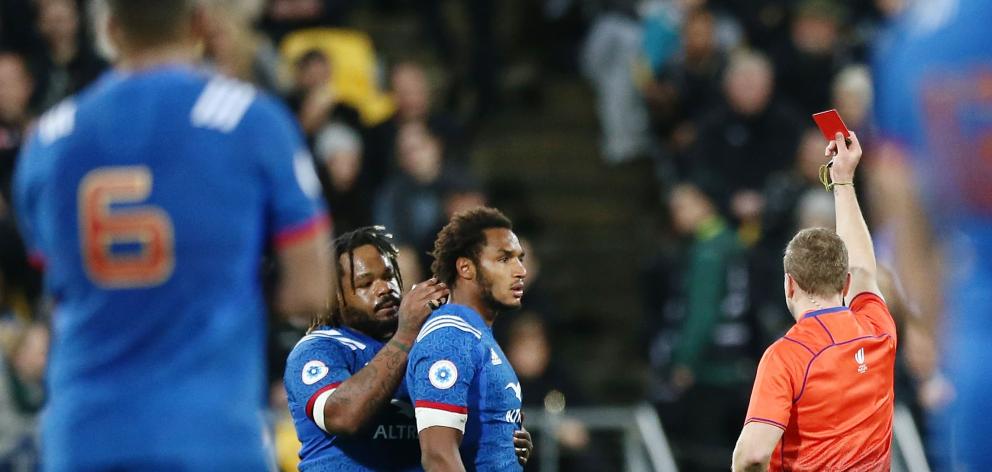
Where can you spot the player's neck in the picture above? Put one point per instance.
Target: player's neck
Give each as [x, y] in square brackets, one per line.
[138, 60]
[473, 299]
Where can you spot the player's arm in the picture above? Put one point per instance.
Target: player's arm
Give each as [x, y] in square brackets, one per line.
[441, 370]
[300, 226]
[851, 226]
[364, 394]
[916, 260]
[755, 446]
[305, 273]
[439, 446]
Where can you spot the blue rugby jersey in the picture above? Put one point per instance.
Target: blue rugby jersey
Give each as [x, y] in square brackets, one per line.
[318, 364]
[459, 378]
[150, 197]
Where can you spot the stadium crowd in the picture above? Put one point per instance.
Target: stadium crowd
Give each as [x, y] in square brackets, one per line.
[715, 95]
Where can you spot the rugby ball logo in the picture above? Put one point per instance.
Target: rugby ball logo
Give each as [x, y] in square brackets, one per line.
[313, 371]
[859, 357]
[443, 374]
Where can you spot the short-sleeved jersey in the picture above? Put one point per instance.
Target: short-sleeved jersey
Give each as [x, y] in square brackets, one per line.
[318, 364]
[151, 197]
[459, 378]
[828, 383]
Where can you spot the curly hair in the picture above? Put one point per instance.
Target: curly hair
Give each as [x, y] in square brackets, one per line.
[464, 236]
[377, 237]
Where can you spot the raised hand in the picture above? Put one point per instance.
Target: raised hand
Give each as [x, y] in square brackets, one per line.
[845, 157]
[418, 304]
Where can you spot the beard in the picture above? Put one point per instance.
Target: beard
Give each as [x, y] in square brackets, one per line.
[489, 299]
[368, 324]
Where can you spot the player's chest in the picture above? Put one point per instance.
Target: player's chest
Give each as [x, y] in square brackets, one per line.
[499, 387]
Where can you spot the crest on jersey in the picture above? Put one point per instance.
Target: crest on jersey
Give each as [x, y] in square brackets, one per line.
[443, 374]
[494, 358]
[859, 357]
[313, 371]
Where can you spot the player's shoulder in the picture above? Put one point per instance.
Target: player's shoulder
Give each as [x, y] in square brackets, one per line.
[448, 322]
[327, 342]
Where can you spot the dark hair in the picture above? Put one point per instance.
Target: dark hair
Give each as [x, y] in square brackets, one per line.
[151, 22]
[375, 236]
[816, 258]
[464, 236]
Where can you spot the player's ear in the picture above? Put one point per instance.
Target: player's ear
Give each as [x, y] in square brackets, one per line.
[465, 268]
[847, 286]
[789, 286]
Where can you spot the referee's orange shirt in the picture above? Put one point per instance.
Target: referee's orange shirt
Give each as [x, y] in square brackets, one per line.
[828, 383]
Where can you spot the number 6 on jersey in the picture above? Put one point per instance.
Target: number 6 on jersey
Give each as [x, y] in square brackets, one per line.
[102, 226]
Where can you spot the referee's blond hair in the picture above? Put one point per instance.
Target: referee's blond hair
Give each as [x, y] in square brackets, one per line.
[816, 258]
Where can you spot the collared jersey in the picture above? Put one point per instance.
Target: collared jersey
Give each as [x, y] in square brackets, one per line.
[828, 383]
[459, 378]
[318, 364]
[151, 197]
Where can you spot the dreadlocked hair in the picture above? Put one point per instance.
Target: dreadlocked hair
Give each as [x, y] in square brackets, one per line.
[464, 236]
[377, 237]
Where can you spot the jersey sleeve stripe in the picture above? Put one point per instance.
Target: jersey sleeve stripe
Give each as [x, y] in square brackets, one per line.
[303, 231]
[449, 324]
[317, 402]
[441, 406]
[428, 417]
[351, 343]
[450, 319]
[37, 260]
[765, 421]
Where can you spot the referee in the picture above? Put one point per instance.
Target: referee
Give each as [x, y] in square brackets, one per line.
[823, 394]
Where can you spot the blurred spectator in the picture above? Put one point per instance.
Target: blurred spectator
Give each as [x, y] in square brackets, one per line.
[339, 158]
[852, 96]
[475, 69]
[740, 144]
[312, 97]
[16, 87]
[689, 85]
[410, 202]
[712, 354]
[236, 49]
[793, 198]
[70, 62]
[611, 52]
[413, 95]
[806, 64]
[22, 394]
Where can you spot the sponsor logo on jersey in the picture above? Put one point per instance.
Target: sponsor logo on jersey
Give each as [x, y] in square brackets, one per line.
[513, 416]
[516, 390]
[313, 371]
[494, 357]
[395, 431]
[443, 374]
[859, 357]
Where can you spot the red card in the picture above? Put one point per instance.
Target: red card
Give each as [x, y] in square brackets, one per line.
[830, 124]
